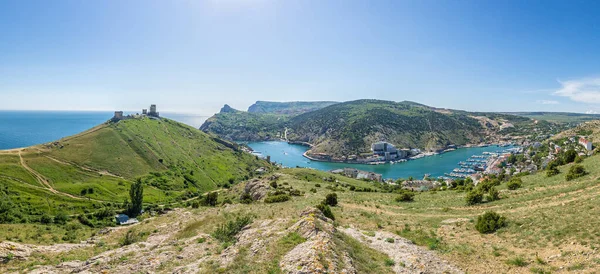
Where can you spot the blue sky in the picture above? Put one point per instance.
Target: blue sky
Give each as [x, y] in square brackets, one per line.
[195, 56]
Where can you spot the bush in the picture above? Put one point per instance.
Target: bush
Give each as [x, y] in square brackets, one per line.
[514, 183]
[493, 194]
[474, 197]
[211, 198]
[489, 222]
[273, 184]
[575, 172]
[131, 237]
[195, 204]
[552, 171]
[331, 199]
[326, 210]
[569, 156]
[61, 218]
[226, 232]
[278, 198]
[246, 198]
[405, 196]
[46, 219]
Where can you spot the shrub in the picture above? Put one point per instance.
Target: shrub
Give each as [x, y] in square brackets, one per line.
[389, 262]
[195, 204]
[61, 218]
[295, 192]
[278, 198]
[132, 237]
[405, 196]
[514, 183]
[246, 198]
[226, 232]
[331, 199]
[313, 190]
[552, 171]
[493, 194]
[474, 197]
[578, 159]
[569, 156]
[390, 240]
[46, 219]
[489, 222]
[517, 261]
[273, 184]
[326, 210]
[575, 172]
[211, 198]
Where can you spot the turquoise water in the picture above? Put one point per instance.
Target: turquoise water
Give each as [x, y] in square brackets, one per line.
[27, 128]
[291, 156]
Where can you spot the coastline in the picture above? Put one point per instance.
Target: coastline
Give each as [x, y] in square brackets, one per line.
[419, 156]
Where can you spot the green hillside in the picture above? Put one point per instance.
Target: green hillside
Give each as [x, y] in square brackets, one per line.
[237, 125]
[349, 128]
[287, 108]
[94, 169]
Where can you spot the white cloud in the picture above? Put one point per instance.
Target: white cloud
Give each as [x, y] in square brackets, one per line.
[547, 102]
[585, 90]
[591, 112]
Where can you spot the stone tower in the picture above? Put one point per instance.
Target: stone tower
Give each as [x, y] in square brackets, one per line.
[153, 111]
[118, 115]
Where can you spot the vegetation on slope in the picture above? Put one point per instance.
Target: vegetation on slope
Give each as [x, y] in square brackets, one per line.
[287, 108]
[92, 172]
[546, 226]
[349, 128]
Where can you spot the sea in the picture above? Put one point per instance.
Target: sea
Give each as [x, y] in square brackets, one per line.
[26, 128]
[290, 155]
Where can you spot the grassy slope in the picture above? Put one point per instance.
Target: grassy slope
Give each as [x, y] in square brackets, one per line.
[109, 157]
[547, 218]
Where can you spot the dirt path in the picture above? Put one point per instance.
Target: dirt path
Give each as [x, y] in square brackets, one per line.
[47, 184]
[101, 172]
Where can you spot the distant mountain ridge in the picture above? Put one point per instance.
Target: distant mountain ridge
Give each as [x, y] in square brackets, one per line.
[349, 128]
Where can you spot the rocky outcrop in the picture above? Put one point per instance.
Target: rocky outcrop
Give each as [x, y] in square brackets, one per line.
[258, 188]
[317, 254]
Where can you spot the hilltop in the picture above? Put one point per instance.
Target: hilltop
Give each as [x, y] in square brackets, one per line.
[93, 170]
[349, 128]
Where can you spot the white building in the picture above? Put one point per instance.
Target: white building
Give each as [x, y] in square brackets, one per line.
[585, 143]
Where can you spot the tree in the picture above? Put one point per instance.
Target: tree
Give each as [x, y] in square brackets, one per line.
[136, 195]
[331, 199]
